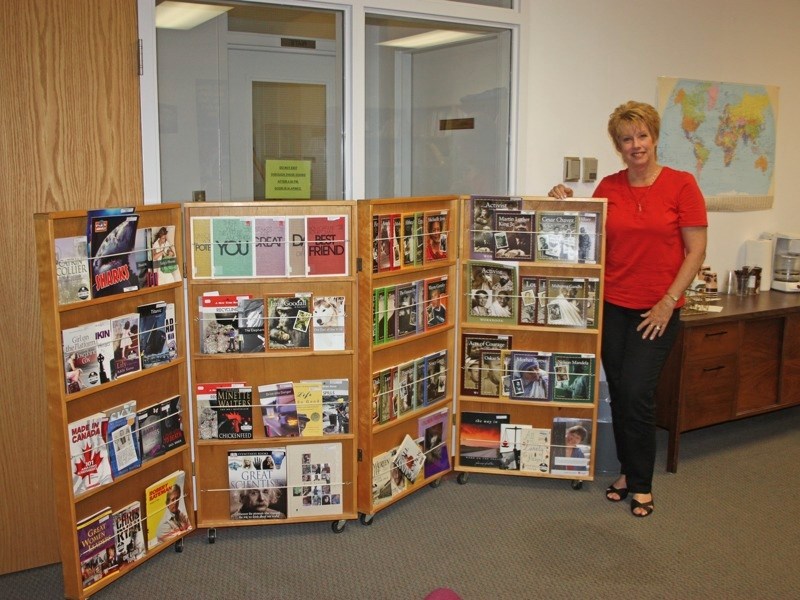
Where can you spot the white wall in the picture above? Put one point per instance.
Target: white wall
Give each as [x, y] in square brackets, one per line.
[584, 58]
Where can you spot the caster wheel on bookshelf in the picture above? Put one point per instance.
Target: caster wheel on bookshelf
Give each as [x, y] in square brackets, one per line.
[463, 478]
[436, 483]
[179, 545]
[338, 526]
[366, 519]
[577, 484]
[212, 535]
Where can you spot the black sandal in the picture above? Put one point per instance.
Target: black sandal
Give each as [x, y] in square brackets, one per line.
[647, 507]
[621, 492]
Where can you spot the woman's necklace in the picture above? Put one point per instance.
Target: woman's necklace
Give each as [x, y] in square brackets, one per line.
[639, 197]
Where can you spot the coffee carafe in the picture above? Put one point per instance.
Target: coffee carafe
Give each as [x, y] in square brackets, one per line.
[786, 263]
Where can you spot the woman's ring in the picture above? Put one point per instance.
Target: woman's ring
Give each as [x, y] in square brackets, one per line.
[658, 326]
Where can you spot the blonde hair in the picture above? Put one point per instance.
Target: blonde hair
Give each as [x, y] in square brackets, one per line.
[633, 113]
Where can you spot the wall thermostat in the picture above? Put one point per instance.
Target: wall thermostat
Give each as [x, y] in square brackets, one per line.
[589, 169]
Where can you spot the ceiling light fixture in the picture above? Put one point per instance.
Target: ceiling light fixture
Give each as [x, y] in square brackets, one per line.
[437, 37]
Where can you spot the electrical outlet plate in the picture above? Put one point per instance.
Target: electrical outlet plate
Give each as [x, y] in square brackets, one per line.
[589, 169]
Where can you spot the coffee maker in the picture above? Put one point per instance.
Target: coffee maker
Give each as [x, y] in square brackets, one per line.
[786, 263]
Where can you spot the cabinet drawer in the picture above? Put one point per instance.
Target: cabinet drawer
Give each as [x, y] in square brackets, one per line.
[712, 340]
[710, 391]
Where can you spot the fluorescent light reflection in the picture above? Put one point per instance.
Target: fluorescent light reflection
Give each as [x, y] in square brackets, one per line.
[431, 38]
[186, 15]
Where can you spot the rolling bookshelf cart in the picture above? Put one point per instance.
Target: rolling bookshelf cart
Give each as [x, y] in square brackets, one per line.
[528, 362]
[73, 403]
[288, 278]
[406, 346]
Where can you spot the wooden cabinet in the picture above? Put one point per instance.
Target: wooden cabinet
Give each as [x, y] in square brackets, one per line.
[406, 343]
[147, 387]
[742, 361]
[274, 363]
[560, 285]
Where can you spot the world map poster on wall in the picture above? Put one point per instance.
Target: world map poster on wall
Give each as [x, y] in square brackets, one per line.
[724, 134]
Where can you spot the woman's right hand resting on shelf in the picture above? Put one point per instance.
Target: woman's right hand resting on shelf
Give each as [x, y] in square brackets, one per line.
[560, 191]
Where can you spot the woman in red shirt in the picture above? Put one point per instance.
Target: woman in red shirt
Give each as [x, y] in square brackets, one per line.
[655, 231]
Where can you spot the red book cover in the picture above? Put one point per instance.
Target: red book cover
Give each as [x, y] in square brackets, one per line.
[326, 243]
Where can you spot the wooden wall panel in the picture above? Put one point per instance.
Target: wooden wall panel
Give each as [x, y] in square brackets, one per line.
[69, 139]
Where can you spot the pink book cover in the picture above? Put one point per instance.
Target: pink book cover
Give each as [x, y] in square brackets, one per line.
[270, 247]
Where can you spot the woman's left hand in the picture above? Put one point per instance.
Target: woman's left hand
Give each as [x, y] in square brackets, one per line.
[656, 319]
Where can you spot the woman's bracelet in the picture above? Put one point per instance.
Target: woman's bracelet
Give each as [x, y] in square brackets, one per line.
[673, 298]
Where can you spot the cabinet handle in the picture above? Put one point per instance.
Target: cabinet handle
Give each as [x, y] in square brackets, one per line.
[716, 333]
[719, 368]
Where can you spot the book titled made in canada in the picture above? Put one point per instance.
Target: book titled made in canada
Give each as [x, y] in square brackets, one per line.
[326, 245]
[88, 451]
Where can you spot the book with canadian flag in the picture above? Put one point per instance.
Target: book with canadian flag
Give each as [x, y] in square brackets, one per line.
[91, 467]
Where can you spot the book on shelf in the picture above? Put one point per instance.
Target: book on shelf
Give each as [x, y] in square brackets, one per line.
[375, 242]
[436, 301]
[165, 507]
[479, 439]
[409, 458]
[482, 223]
[155, 347]
[122, 438]
[385, 242]
[308, 400]
[72, 270]
[386, 396]
[437, 231]
[112, 239]
[160, 428]
[219, 323]
[97, 550]
[201, 247]
[129, 533]
[492, 292]
[491, 372]
[296, 228]
[566, 301]
[378, 315]
[91, 467]
[278, 409]
[125, 336]
[257, 484]
[472, 344]
[375, 397]
[232, 247]
[434, 430]
[407, 388]
[557, 236]
[315, 479]
[436, 375]
[407, 309]
[208, 408]
[326, 245]
[171, 423]
[590, 304]
[397, 481]
[327, 318]
[234, 407]
[528, 288]
[251, 325]
[530, 375]
[335, 405]
[143, 258]
[514, 235]
[271, 247]
[289, 322]
[419, 238]
[81, 369]
[573, 377]
[382, 478]
[397, 237]
[571, 446]
[511, 445]
[104, 340]
[390, 312]
[535, 450]
[164, 255]
[409, 240]
[588, 230]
